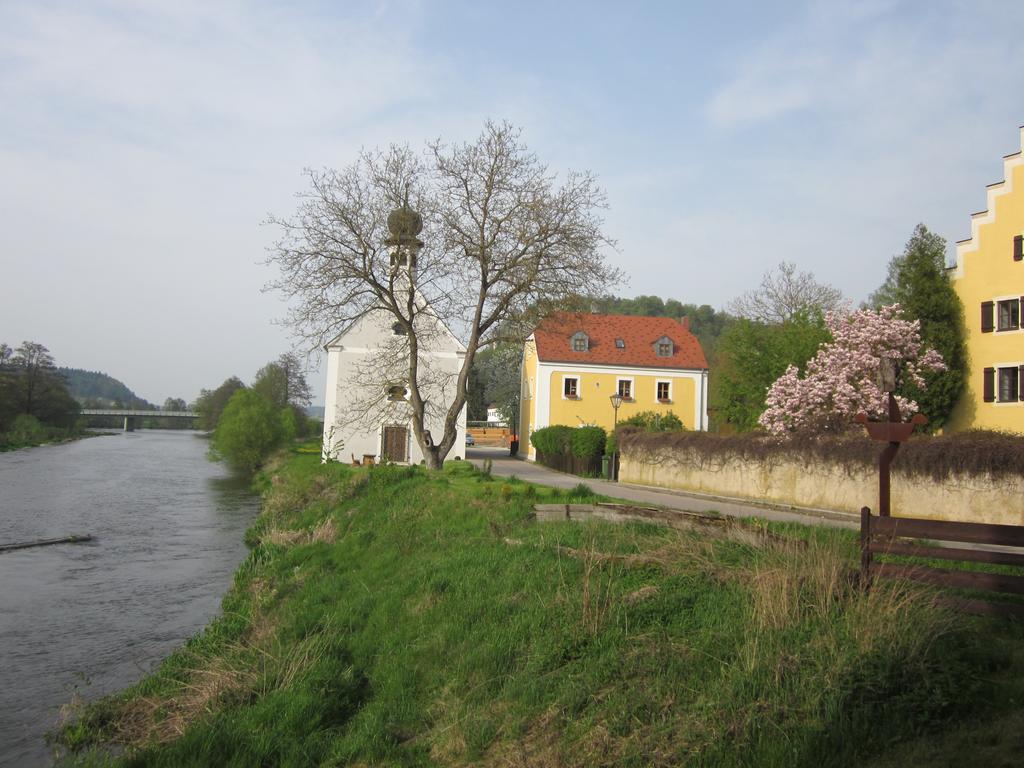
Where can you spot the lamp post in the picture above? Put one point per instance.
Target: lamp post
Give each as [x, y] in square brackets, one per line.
[616, 402]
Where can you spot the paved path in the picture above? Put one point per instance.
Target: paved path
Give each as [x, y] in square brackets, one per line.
[505, 466]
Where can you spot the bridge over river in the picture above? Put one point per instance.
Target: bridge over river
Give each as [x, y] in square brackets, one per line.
[132, 417]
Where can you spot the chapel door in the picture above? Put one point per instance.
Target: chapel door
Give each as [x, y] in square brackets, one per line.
[396, 441]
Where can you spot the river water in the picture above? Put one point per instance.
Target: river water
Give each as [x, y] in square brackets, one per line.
[88, 619]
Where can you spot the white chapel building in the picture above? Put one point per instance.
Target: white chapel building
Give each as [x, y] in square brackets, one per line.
[366, 407]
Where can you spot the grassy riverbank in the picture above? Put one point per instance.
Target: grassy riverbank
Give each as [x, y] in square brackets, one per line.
[45, 436]
[394, 617]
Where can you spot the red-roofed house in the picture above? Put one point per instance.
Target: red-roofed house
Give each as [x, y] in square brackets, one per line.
[574, 363]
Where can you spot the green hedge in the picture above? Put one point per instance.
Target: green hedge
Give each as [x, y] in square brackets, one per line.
[552, 440]
[588, 442]
[581, 442]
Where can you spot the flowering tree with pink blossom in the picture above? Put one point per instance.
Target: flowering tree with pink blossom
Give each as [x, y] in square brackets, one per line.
[841, 380]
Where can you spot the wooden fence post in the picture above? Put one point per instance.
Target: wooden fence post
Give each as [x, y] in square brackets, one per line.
[865, 548]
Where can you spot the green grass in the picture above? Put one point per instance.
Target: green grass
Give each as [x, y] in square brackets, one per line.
[390, 616]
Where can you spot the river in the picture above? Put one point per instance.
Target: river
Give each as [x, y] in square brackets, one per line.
[88, 619]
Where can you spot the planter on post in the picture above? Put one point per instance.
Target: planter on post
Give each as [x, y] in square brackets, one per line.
[893, 431]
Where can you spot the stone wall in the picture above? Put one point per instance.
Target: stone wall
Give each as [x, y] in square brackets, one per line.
[791, 482]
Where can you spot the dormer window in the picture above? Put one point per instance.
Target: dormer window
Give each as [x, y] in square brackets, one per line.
[580, 342]
[620, 344]
[664, 347]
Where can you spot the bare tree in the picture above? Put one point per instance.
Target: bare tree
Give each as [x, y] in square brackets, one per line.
[784, 293]
[283, 382]
[501, 236]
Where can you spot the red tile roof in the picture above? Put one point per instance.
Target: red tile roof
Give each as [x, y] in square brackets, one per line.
[639, 334]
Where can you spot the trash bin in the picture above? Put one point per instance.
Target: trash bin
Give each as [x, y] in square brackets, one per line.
[513, 447]
[606, 467]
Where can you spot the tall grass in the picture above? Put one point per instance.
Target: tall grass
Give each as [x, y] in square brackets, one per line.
[391, 616]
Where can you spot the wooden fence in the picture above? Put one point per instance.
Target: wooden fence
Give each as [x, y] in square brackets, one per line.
[494, 436]
[573, 465]
[900, 536]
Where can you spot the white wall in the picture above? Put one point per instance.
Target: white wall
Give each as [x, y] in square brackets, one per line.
[360, 365]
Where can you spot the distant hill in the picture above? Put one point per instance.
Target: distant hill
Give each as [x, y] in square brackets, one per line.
[315, 412]
[96, 386]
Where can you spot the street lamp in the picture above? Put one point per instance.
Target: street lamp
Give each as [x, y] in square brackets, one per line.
[616, 402]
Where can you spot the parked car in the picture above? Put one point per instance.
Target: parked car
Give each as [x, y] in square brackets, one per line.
[469, 439]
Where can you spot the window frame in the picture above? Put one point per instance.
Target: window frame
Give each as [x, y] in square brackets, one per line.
[579, 338]
[566, 378]
[1015, 370]
[1009, 303]
[619, 381]
[657, 385]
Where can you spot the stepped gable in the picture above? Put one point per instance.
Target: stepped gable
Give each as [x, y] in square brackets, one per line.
[638, 334]
[979, 219]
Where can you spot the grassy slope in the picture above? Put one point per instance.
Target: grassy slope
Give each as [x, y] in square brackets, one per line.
[390, 617]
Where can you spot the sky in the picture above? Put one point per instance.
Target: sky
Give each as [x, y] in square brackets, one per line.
[144, 144]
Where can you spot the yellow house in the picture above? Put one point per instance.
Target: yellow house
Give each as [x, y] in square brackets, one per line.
[989, 278]
[574, 363]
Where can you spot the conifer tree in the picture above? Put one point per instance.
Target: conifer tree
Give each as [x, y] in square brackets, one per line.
[917, 281]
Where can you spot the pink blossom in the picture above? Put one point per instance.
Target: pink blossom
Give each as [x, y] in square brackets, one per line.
[841, 379]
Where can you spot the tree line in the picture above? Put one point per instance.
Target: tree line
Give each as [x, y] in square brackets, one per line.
[35, 404]
[779, 324]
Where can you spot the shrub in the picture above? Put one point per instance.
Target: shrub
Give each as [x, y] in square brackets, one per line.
[290, 424]
[652, 421]
[26, 430]
[581, 491]
[588, 442]
[552, 440]
[248, 430]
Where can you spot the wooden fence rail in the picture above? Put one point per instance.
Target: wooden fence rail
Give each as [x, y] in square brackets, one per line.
[888, 536]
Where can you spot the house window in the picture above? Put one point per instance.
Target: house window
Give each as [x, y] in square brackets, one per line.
[1008, 315]
[1009, 384]
[620, 344]
[396, 393]
[1018, 248]
[663, 347]
[399, 330]
[625, 389]
[570, 387]
[580, 342]
[664, 391]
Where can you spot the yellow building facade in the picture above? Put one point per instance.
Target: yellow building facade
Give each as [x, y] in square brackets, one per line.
[573, 365]
[989, 279]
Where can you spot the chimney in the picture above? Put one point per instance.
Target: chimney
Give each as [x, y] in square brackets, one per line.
[685, 322]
